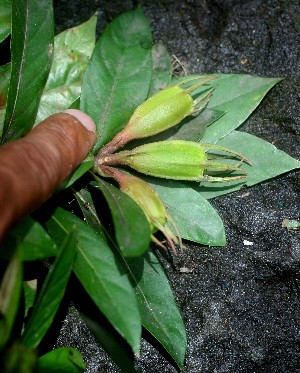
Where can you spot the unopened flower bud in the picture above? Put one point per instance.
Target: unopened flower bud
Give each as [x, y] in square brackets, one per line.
[149, 201]
[162, 111]
[177, 160]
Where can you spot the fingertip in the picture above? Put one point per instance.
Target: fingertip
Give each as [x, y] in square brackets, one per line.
[83, 118]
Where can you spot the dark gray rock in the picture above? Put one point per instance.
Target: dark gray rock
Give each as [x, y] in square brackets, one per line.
[240, 303]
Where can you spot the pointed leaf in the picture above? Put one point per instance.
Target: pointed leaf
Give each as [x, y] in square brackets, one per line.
[61, 360]
[118, 76]
[131, 225]
[10, 292]
[238, 95]
[160, 314]
[5, 18]
[33, 242]
[51, 293]
[194, 216]
[153, 303]
[72, 51]
[97, 269]
[31, 50]
[267, 162]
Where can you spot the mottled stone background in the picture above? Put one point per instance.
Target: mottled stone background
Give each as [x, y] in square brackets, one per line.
[240, 303]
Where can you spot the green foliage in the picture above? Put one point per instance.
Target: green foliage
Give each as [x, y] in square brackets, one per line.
[31, 50]
[131, 226]
[122, 277]
[118, 76]
[98, 271]
[194, 216]
[31, 239]
[72, 51]
[51, 293]
[61, 360]
[5, 19]
[159, 312]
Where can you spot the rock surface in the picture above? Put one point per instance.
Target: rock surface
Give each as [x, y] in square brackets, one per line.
[240, 303]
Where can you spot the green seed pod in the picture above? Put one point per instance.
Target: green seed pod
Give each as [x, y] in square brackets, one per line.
[160, 112]
[177, 160]
[149, 201]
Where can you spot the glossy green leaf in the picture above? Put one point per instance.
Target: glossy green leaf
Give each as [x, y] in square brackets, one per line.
[153, 300]
[267, 162]
[72, 51]
[160, 314]
[52, 292]
[4, 84]
[161, 71]
[97, 269]
[87, 164]
[118, 76]
[132, 229]
[31, 52]
[33, 242]
[61, 360]
[237, 95]
[5, 19]
[194, 216]
[10, 292]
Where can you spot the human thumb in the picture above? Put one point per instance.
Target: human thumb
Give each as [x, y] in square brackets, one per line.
[33, 167]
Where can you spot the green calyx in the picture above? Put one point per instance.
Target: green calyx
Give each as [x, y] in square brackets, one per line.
[162, 111]
[178, 160]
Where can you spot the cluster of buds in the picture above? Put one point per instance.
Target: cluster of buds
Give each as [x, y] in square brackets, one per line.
[170, 159]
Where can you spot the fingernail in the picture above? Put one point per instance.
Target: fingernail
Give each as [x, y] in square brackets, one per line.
[83, 118]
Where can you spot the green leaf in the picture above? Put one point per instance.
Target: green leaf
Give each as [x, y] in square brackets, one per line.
[31, 51]
[132, 229]
[61, 360]
[267, 162]
[10, 292]
[97, 269]
[118, 76]
[160, 314]
[72, 51]
[5, 19]
[52, 292]
[4, 84]
[31, 239]
[154, 296]
[86, 164]
[161, 71]
[237, 95]
[194, 216]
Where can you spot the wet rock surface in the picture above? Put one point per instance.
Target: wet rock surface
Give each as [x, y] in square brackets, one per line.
[240, 303]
